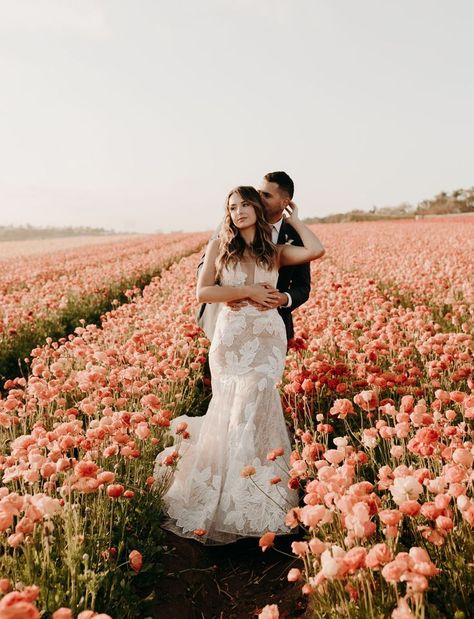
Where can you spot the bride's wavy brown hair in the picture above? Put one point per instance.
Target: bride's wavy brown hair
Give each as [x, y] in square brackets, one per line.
[232, 245]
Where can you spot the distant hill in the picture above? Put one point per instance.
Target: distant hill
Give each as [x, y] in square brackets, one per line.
[28, 233]
[458, 202]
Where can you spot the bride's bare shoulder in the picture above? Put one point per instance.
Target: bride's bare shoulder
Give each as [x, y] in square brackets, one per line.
[213, 247]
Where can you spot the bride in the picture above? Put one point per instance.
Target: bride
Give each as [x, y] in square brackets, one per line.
[224, 487]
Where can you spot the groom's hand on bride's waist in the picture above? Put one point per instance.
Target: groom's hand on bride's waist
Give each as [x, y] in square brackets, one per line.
[281, 300]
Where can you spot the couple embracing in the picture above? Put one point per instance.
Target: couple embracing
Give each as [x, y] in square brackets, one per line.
[257, 270]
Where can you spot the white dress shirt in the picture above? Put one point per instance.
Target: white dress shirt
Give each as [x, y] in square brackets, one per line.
[275, 233]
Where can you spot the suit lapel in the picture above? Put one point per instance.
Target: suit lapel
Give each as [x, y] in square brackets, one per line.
[282, 235]
[286, 233]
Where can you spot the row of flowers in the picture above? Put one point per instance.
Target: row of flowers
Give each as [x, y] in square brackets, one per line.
[381, 396]
[379, 393]
[425, 262]
[32, 288]
[79, 509]
[49, 295]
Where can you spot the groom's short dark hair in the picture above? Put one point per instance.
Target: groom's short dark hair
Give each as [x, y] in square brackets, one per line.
[282, 180]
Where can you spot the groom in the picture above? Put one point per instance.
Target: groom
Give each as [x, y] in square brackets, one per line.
[294, 282]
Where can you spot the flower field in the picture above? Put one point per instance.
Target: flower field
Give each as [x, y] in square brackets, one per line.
[78, 440]
[381, 393]
[378, 388]
[47, 294]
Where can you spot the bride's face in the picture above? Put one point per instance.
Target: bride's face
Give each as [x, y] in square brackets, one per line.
[241, 212]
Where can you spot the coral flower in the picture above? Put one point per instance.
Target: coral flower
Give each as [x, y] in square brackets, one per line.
[341, 408]
[248, 471]
[266, 541]
[379, 554]
[411, 508]
[4, 585]
[463, 456]
[334, 456]
[115, 490]
[300, 548]
[367, 400]
[86, 468]
[403, 611]
[136, 561]
[294, 574]
[270, 611]
[17, 605]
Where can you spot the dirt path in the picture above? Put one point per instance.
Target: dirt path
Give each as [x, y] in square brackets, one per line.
[233, 581]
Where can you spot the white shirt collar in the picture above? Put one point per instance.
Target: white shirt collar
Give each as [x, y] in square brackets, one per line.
[277, 225]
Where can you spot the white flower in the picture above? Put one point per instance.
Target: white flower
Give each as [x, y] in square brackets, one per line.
[405, 489]
[329, 565]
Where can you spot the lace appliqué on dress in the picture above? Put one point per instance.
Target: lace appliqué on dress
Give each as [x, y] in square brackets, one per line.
[243, 423]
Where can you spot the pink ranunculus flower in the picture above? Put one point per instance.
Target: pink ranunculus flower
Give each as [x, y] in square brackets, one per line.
[63, 613]
[444, 522]
[292, 517]
[15, 539]
[136, 560]
[393, 571]
[341, 408]
[313, 515]
[18, 604]
[47, 505]
[248, 471]
[270, 611]
[396, 451]
[142, 430]
[300, 548]
[115, 490]
[378, 555]
[6, 517]
[4, 585]
[317, 546]
[334, 456]
[410, 508]
[463, 456]
[355, 559]
[86, 468]
[106, 477]
[266, 540]
[332, 562]
[294, 574]
[367, 400]
[402, 611]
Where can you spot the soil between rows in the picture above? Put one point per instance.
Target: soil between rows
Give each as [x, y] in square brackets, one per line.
[233, 581]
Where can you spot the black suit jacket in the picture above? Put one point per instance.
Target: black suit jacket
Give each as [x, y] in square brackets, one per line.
[296, 280]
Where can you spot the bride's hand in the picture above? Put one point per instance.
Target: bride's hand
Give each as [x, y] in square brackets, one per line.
[292, 213]
[263, 294]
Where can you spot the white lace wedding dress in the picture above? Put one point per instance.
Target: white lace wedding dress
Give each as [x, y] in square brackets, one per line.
[243, 423]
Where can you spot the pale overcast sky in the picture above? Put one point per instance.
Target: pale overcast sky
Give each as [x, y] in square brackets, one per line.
[141, 115]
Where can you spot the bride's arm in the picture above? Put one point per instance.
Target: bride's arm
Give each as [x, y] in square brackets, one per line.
[312, 246]
[209, 292]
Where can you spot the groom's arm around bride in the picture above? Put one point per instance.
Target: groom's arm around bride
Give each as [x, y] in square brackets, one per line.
[294, 282]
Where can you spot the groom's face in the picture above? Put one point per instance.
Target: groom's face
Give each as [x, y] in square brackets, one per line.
[274, 200]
